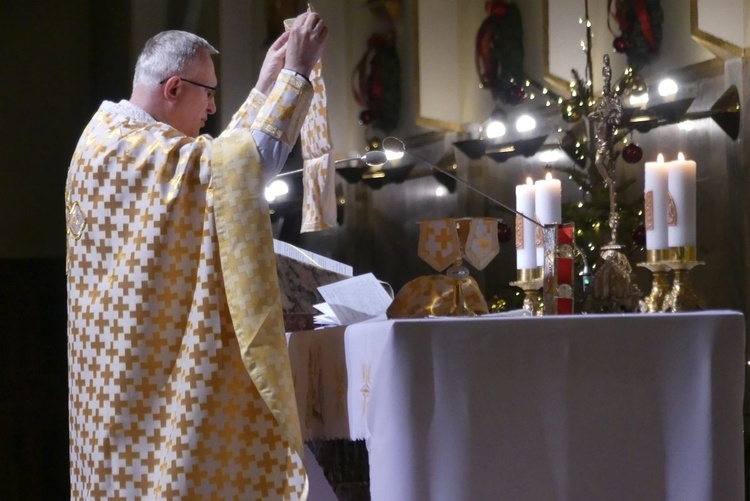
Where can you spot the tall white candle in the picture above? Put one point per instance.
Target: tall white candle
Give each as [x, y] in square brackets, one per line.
[681, 210]
[525, 245]
[655, 198]
[548, 201]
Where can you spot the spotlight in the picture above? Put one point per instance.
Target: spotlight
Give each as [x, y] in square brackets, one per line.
[495, 129]
[525, 123]
[667, 88]
[276, 189]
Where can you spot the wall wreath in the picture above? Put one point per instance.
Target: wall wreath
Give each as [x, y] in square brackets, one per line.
[640, 26]
[499, 52]
[376, 83]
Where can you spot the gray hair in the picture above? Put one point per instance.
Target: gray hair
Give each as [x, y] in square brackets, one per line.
[167, 54]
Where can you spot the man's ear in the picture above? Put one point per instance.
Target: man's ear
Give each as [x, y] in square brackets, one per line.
[172, 88]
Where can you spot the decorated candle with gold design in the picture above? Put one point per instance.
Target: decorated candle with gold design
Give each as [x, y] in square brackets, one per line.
[548, 208]
[525, 234]
[655, 203]
[681, 205]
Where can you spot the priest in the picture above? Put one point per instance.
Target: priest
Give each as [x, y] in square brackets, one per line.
[179, 379]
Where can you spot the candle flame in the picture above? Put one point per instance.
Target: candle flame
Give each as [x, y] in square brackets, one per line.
[529, 181]
[548, 177]
[660, 158]
[680, 157]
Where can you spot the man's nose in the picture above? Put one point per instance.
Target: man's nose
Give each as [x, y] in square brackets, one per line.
[211, 106]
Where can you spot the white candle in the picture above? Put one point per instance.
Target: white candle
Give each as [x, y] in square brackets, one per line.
[655, 198]
[525, 244]
[548, 205]
[681, 211]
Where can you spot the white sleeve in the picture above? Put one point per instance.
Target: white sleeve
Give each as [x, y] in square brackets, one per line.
[273, 153]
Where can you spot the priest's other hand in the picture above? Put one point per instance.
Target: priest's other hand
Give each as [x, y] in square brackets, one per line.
[272, 64]
[307, 37]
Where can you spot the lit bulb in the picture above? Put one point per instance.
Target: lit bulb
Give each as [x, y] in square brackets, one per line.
[495, 129]
[687, 125]
[525, 123]
[441, 191]
[276, 189]
[667, 88]
[393, 155]
[550, 156]
[639, 100]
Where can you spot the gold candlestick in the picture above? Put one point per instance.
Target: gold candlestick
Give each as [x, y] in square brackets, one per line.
[682, 297]
[530, 281]
[656, 263]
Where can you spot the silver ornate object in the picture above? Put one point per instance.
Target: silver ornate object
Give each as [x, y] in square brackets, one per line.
[612, 289]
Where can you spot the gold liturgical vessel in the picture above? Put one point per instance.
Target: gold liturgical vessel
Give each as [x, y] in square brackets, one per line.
[446, 244]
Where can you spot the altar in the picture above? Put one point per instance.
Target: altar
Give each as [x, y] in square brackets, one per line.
[583, 407]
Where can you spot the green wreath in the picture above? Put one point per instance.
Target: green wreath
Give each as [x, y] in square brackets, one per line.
[376, 83]
[640, 24]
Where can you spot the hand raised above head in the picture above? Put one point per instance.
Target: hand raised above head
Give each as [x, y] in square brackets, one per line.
[272, 64]
[307, 38]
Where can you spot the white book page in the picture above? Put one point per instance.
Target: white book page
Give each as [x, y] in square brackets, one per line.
[356, 299]
[305, 256]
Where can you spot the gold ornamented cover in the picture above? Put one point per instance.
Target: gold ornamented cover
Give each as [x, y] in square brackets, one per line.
[437, 295]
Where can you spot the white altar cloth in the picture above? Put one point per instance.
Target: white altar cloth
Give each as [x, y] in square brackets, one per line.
[568, 408]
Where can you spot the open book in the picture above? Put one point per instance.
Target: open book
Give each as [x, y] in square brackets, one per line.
[300, 273]
[353, 300]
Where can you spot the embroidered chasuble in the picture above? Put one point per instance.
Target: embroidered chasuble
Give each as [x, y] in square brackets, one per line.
[179, 378]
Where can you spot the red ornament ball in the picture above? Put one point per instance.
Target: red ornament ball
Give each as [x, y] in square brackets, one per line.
[639, 236]
[366, 117]
[503, 232]
[632, 153]
[620, 44]
[515, 94]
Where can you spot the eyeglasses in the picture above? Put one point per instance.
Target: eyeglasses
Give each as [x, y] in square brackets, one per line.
[211, 90]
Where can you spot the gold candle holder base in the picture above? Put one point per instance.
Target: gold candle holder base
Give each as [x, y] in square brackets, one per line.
[656, 263]
[530, 281]
[613, 288]
[682, 297]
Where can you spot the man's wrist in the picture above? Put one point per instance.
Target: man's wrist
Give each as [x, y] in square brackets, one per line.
[306, 77]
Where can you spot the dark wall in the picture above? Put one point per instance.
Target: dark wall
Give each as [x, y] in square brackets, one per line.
[33, 380]
[54, 76]
[58, 60]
